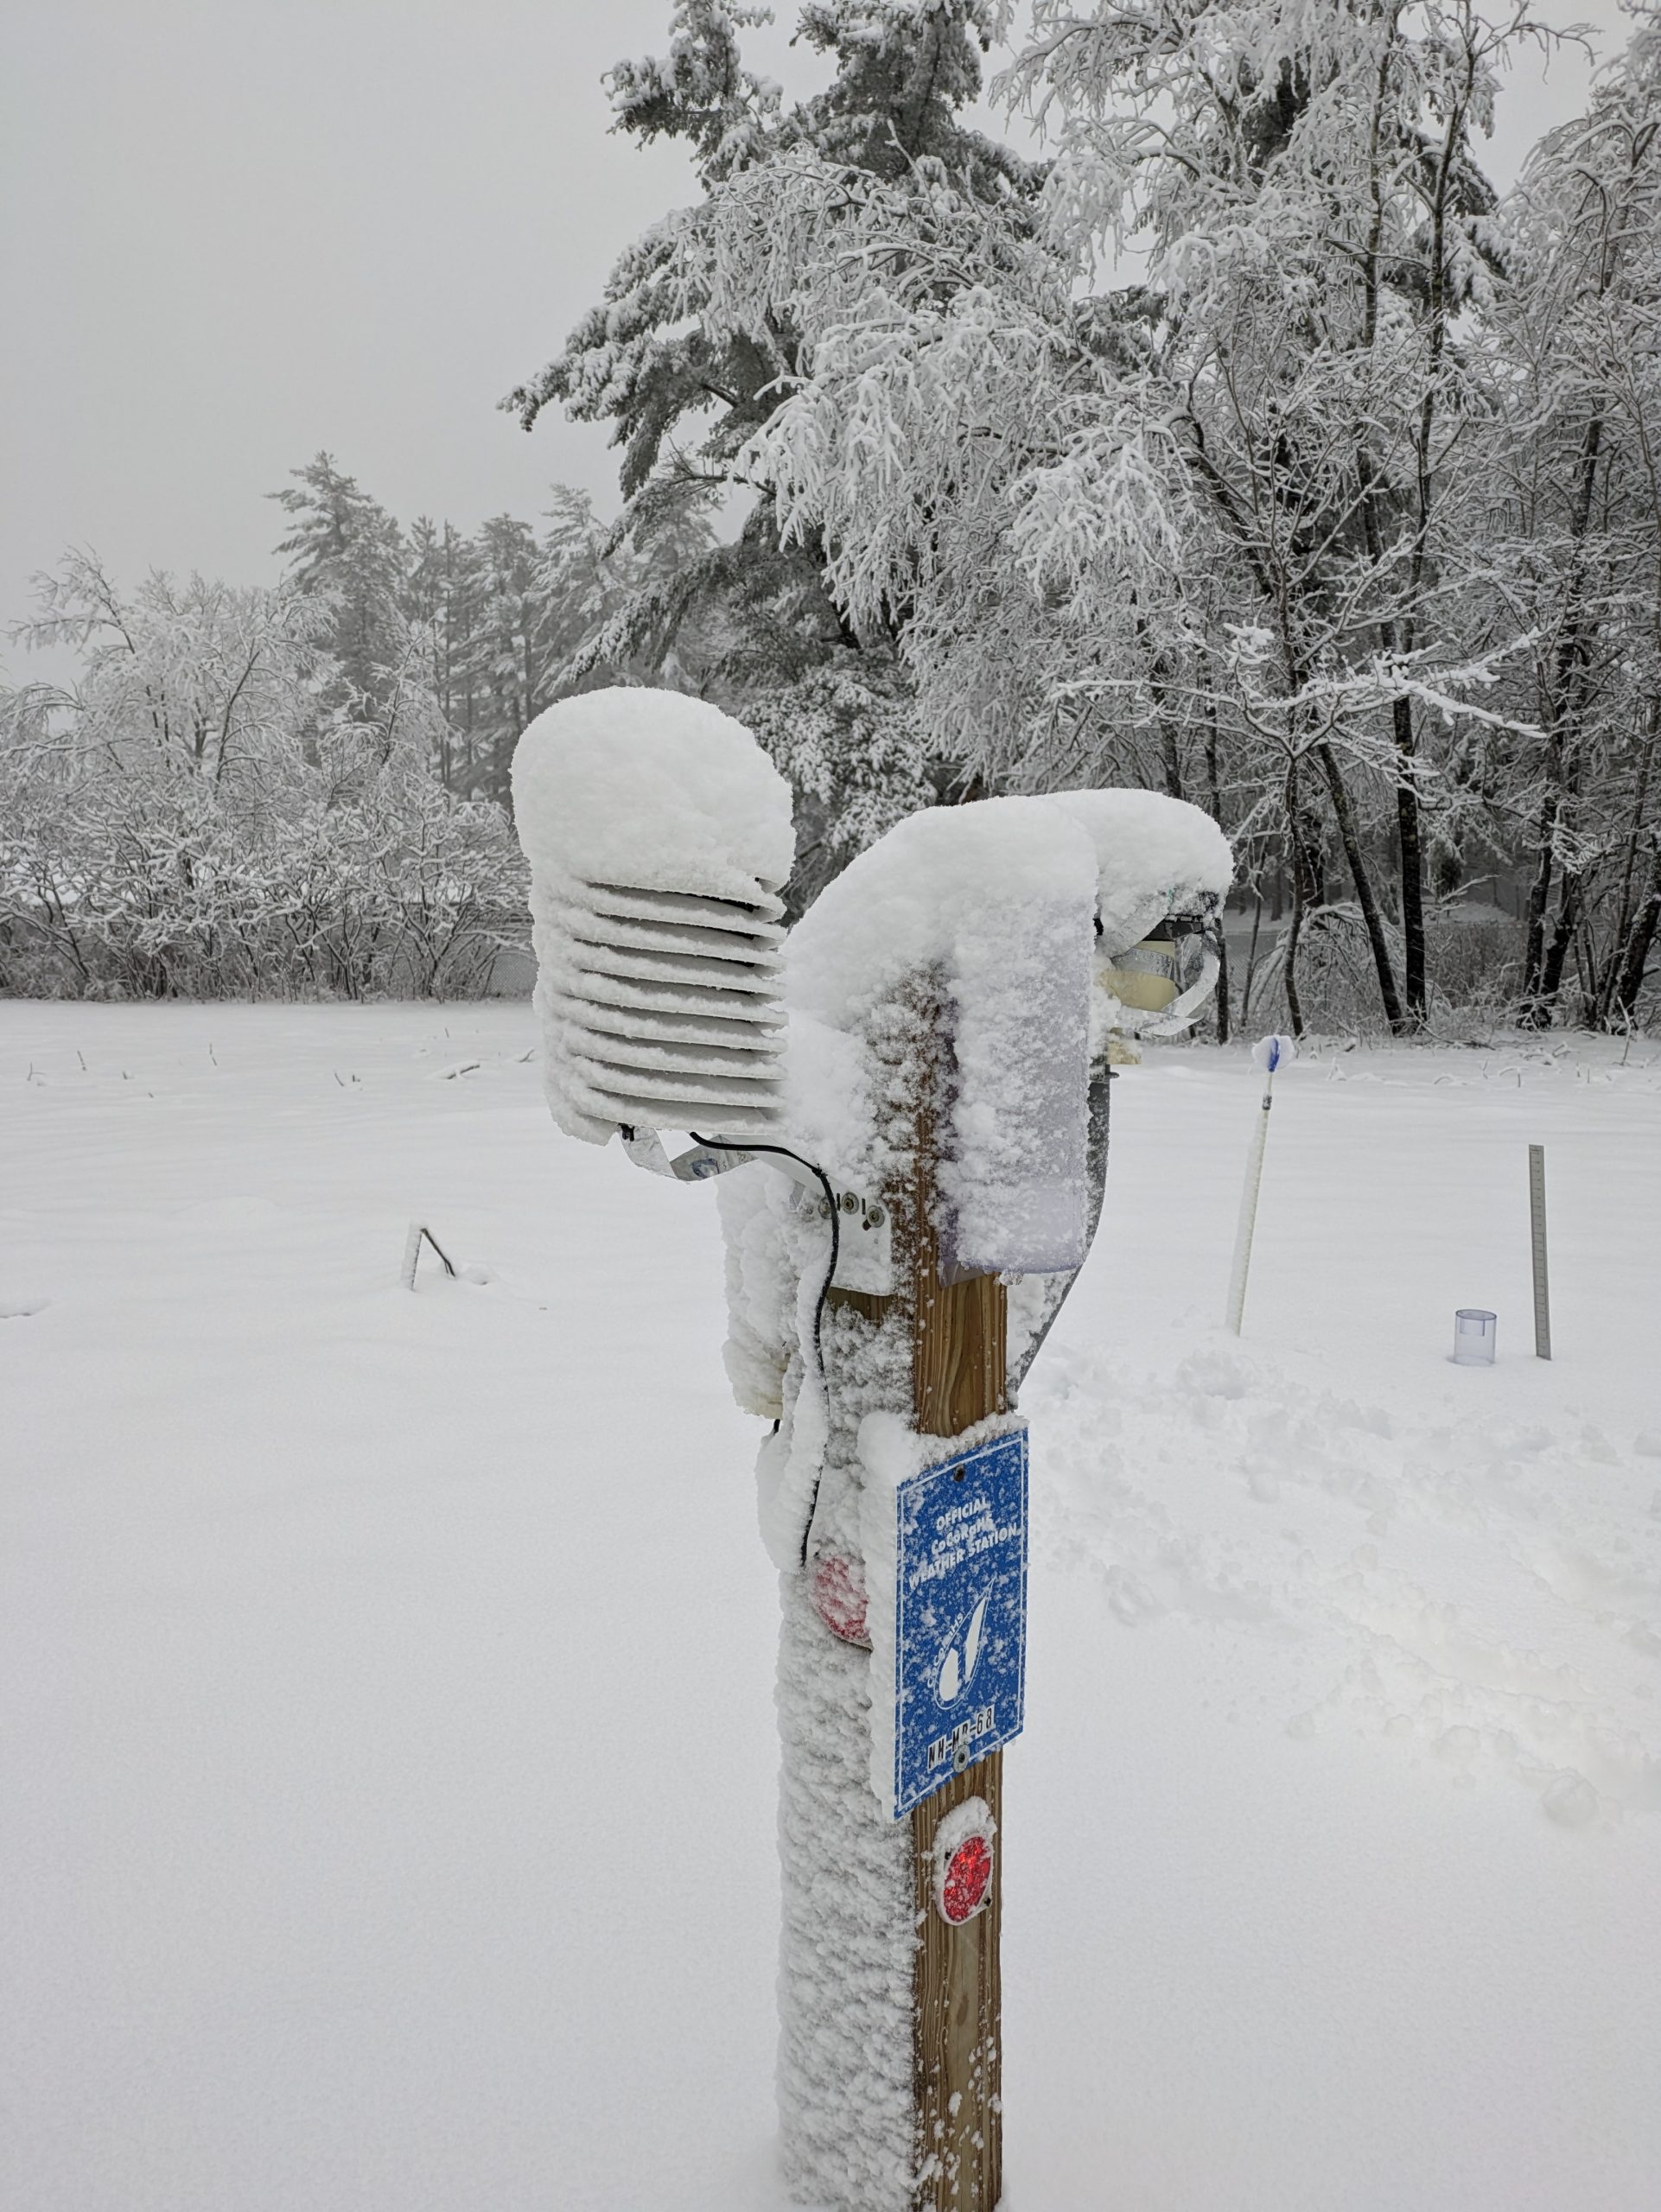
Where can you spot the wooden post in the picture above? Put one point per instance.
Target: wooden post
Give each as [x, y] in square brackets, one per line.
[957, 1378]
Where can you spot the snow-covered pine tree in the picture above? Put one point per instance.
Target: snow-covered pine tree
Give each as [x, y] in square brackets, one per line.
[509, 653]
[750, 621]
[500, 622]
[618, 605]
[344, 544]
[441, 594]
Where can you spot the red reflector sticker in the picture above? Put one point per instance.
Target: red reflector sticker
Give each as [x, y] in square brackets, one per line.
[968, 1876]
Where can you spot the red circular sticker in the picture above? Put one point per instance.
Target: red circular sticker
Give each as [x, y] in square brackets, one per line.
[968, 1873]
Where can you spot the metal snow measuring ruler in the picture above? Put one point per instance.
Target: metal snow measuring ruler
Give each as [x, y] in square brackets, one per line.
[1538, 1242]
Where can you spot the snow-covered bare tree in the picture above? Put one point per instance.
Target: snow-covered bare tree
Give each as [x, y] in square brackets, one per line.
[1215, 517]
[194, 817]
[1574, 540]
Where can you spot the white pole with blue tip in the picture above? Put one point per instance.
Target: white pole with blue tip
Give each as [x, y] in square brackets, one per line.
[1268, 1053]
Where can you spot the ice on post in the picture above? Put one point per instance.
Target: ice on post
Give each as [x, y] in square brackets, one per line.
[658, 836]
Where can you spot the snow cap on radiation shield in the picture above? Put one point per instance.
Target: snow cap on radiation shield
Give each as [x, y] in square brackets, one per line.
[658, 836]
[1164, 869]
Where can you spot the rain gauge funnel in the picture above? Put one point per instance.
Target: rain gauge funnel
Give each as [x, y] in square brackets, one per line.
[1474, 1337]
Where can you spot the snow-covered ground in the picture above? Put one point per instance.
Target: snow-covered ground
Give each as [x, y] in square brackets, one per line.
[388, 1740]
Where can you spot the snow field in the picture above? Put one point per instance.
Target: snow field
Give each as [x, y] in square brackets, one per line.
[387, 1687]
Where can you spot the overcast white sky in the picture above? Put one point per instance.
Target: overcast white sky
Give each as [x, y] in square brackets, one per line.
[236, 231]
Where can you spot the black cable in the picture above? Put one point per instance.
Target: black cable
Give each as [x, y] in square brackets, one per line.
[717, 1144]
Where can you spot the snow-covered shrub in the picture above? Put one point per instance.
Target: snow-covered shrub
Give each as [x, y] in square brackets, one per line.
[194, 822]
[1337, 986]
[1475, 960]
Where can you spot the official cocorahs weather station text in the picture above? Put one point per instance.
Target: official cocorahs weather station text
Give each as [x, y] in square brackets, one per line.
[977, 1532]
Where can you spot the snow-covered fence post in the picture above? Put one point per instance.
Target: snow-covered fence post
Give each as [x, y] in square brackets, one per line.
[958, 1376]
[940, 1000]
[935, 1134]
[955, 963]
[948, 1049]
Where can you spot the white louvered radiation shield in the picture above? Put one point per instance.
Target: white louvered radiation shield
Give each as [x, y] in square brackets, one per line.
[666, 1007]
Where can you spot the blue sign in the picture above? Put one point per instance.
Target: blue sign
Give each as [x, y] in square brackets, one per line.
[960, 1614]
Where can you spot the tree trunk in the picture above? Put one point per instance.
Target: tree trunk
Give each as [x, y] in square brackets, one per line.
[1609, 981]
[1214, 808]
[1569, 900]
[1412, 865]
[1295, 923]
[1645, 923]
[1252, 963]
[1364, 893]
[1534, 1013]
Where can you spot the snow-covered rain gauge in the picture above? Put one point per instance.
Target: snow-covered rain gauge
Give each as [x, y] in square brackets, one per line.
[922, 1062]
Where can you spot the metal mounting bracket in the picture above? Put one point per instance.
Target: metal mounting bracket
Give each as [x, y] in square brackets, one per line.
[865, 1239]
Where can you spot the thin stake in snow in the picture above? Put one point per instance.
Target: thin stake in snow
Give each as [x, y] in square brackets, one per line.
[1268, 1053]
[418, 1230]
[1538, 1240]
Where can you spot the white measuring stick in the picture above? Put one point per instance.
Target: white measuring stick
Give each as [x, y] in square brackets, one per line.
[1268, 1053]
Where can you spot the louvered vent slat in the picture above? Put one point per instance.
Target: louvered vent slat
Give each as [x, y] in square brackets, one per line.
[668, 1007]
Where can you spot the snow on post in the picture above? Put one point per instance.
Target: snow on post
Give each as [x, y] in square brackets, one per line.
[658, 836]
[939, 997]
[1537, 1251]
[994, 904]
